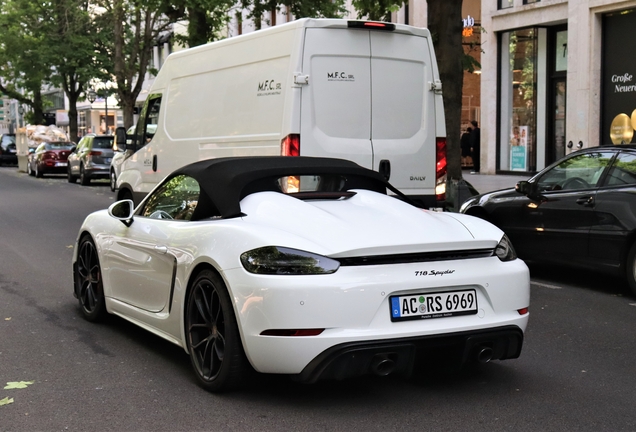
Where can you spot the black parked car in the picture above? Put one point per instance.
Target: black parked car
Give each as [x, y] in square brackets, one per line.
[579, 211]
[8, 151]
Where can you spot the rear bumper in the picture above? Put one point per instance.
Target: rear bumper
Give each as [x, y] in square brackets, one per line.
[403, 356]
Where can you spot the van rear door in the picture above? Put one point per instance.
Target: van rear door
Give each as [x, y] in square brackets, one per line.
[336, 105]
[403, 110]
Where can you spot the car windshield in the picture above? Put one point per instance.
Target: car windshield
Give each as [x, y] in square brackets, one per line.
[103, 143]
[59, 146]
[6, 139]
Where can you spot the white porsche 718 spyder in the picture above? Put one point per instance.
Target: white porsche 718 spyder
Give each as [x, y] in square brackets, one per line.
[301, 266]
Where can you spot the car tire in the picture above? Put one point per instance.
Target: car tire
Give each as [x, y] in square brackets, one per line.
[113, 181]
[29, 170]
[38, 173]
[84, 179]
[630, 269]
[89, 285]
[70, 177]
[125, 194]
[212, 334]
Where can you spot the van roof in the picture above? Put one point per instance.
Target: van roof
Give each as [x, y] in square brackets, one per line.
[303, 22]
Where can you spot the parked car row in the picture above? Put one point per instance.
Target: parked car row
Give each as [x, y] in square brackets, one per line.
[88, 160]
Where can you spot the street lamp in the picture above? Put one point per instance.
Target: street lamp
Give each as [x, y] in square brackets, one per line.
[91, 96]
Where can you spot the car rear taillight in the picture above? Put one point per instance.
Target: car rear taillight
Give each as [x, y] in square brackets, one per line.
[290, 145]
[95, 153]
[440, 168]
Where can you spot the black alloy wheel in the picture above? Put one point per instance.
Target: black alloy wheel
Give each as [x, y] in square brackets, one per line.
[70, 177]
[38, 173]
[214, 342]
[84, 179]
[89, 285]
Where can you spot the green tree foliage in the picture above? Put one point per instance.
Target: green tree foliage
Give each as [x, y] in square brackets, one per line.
[207, 19]
[74, 40]
[24, 56]
[136, 27]
[299, 9]
[377, 10]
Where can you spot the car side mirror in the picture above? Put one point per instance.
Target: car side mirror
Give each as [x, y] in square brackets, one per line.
[120, 138]
[122, 211]
[524, 187]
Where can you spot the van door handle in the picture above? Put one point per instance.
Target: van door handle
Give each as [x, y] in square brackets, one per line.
[161, 249]
[385, 169]
[154, 163]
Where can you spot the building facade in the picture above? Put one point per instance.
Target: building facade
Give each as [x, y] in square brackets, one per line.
[557, 75]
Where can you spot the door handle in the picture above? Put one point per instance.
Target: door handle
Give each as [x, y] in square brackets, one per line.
[154, 163]
[586, 201]
[161, 249]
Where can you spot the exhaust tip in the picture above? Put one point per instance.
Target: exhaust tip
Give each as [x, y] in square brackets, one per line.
[382, 365]
[484, 354]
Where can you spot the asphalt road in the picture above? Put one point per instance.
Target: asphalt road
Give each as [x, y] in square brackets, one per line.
[576, 372]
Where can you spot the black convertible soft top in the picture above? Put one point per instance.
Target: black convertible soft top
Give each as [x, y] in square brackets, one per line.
[225, 181]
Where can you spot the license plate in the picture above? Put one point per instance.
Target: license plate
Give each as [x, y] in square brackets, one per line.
[62, 164]
[12, 151]
[433, 305]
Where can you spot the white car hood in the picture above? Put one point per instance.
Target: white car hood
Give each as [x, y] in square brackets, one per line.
[368, 223]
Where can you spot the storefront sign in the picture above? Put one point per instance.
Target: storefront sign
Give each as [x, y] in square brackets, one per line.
[519, 151]
[619, 78]
[468, 24]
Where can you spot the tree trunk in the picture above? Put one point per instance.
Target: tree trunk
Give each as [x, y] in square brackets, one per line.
[445, 24]
[38, 111]
[72, 115]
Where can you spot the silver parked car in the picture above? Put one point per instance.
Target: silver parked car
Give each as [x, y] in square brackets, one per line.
[91, 159]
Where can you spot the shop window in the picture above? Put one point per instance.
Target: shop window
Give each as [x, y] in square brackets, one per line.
[505, 4]
[518, 127]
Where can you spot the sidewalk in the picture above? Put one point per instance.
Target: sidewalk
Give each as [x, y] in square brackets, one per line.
[491, 182]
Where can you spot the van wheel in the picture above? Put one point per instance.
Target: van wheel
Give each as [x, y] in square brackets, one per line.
[70, 177]
[630, 269]
[84, 179]
[213, 338]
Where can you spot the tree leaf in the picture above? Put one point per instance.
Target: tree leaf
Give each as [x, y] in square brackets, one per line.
[18, 385]
[6, 401]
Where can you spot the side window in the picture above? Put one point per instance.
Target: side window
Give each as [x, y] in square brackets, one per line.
[578, 172]
[623, 171]
[177, 199]
[147, 125]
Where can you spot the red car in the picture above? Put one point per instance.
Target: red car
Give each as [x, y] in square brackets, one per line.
[49, 158]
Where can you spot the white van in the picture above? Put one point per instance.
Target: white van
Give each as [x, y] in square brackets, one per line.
[358, 90]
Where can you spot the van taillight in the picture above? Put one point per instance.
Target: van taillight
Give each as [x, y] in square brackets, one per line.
[95, 153]
[440, 169]
[290, 145]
